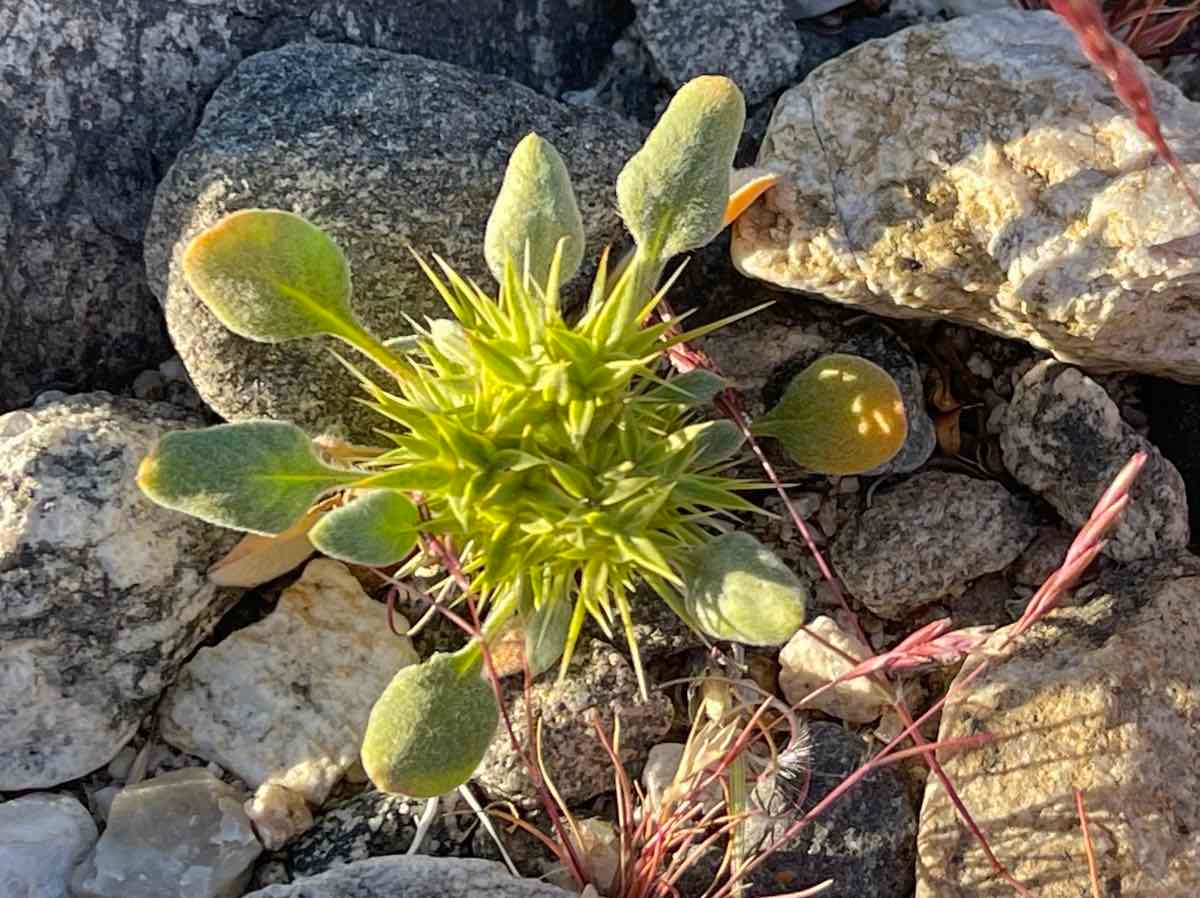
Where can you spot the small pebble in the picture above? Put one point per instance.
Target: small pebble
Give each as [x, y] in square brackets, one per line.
[848, 485]
[995, 419]
[15, 423]
[172, 369]
[118, 767]
[980, 366]
[47, 397]
[149, 385]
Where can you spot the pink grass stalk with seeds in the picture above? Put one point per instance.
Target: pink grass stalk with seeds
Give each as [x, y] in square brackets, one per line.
[1120, 66]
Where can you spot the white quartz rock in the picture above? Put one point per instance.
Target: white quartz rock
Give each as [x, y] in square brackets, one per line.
[286, 700]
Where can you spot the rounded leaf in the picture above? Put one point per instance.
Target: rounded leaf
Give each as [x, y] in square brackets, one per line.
[377, 529]
[737, 589]
[271, 276]
[430, 729]
[840, 415]
[674, 191]
[260, 476]
[534, 210]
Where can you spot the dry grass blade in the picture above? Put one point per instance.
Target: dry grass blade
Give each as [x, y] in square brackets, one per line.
[1088, 847]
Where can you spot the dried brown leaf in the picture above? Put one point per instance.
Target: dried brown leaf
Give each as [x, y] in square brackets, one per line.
[259, 559]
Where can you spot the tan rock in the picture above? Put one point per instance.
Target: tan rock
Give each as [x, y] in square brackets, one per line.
[806, 664]
[286, 700]
[1105, 698]
[278, 815]
[982, 170]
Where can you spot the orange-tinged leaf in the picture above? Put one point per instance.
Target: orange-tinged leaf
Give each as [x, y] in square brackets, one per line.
[949, 436]
[744, 195]
[258, 559]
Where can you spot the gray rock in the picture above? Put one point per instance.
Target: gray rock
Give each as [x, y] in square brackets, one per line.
[982, 170]
[42, 837]
[415, 877]
[382, 151]
[179, 835]
[600, 685]
[286, 700]
[927, 539]
[1064, 439]
[102, 593]
[1042, 557]
[865, 842]
[97, 98]
[757, 43]
[751, 41]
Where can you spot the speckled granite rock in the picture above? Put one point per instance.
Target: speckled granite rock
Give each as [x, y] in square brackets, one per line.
[179, 835]
[757, 43]
[927, 538]
[381, 151]
[286, 700]
[1102, 698]
[865, 842]
[102, 593]
[371, 824]
[42, 838]
[97, 98]
[752, 41]
[1064, 439]
[415, 877]
[601, 684]
[982, 170]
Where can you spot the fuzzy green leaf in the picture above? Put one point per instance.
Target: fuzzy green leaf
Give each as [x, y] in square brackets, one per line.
[430, 728]
[840, 415]
[271, 276]
[534, 210]
[673, 192]
[377, 529]
[260, 476]
[737, 589]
